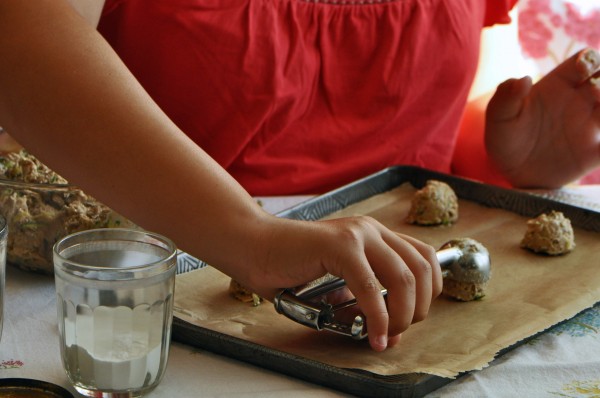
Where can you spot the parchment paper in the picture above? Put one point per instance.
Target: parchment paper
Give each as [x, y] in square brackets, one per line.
[527, 293]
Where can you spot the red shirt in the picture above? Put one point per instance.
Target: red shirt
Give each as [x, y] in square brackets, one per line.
[294, 96]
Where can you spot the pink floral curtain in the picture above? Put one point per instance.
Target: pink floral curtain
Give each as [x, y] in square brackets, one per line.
[550, 31]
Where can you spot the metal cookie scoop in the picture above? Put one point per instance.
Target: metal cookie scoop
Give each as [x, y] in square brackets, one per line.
[464, 260]
[465, 263]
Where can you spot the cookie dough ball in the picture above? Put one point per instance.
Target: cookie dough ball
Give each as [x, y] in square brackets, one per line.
[549, 234]
[434, 204]
[464, 291]
[241, 293]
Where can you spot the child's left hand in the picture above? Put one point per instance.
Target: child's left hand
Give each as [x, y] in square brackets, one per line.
[547, 134]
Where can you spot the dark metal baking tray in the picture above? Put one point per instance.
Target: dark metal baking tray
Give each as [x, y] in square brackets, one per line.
[355, 381]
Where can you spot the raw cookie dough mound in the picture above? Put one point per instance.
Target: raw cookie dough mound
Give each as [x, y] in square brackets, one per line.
[40, 208]
[549, 234]
[464, 291]
[434, 204]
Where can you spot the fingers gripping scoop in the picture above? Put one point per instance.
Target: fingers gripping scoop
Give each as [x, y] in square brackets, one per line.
[325, 304]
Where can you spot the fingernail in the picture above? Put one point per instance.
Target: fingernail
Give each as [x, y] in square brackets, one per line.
[588, 62]
[381, 342]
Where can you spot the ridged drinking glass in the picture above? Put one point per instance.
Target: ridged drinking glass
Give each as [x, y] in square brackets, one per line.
[115, 307]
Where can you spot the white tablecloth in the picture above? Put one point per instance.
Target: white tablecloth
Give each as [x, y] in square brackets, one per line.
[564, 362]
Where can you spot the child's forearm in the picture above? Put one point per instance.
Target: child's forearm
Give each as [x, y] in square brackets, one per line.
[68, 99]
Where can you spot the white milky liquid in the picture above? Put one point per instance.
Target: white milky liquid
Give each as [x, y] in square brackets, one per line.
[115, 348]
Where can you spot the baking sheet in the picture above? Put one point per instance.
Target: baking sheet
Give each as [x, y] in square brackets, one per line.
[492, 215]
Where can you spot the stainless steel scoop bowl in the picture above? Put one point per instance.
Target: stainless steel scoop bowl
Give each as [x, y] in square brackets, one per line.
[463, 260]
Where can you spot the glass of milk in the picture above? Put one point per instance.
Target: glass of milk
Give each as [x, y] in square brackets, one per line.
[115, 308]
[3, 242]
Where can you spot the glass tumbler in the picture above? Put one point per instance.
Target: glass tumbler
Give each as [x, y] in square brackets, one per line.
[3, 242]
[115, 308]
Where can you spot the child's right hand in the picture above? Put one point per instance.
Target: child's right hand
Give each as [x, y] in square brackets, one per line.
[364, 253]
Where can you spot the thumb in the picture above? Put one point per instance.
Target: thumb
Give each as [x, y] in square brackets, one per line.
[508, 100]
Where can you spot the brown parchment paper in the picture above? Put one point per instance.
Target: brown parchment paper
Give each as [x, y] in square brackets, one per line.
[527, 293]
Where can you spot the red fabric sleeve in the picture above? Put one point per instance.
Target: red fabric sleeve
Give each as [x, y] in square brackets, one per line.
[497, 12]
[470, 158]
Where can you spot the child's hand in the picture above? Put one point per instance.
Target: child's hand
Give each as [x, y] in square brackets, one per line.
[547, 134]
[364, 253]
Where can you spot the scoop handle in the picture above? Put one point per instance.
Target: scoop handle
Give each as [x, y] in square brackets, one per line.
[295, 303]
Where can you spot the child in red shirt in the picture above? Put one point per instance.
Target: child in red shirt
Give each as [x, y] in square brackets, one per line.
[294, 96]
